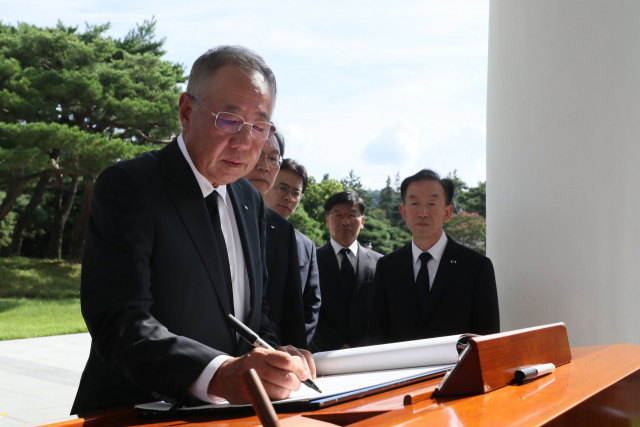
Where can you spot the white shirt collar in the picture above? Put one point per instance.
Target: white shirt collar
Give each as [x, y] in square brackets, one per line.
[337, 247]
[205, 185]
[436, 250]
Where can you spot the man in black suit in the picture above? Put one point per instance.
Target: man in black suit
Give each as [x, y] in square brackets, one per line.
[284, 290]
[284, 198]
[346, 273]
[433, 286]
[175, 242]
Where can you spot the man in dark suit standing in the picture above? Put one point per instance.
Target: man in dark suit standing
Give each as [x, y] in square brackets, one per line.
[175, 243]
[346, 273]
[284, 290]
[433, 286]
[284, 197]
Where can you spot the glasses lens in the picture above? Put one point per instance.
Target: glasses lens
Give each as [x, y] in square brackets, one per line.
[261, 130]
[275, 160]
[229, 122]
[296, 195]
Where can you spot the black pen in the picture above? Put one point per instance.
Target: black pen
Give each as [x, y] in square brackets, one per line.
[253, 339]
[527, 373]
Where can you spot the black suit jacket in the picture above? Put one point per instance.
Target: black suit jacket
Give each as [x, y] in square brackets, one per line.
[284, 290]
[310, 279]
[343, 317]
[152, 290]
[463, 297]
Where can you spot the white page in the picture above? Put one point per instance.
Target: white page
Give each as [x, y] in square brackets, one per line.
[400, 355]
[330, 386]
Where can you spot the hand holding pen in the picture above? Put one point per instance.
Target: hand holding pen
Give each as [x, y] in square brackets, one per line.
[253, 339]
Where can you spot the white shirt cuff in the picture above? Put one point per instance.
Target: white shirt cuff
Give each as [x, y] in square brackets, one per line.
[201, 384]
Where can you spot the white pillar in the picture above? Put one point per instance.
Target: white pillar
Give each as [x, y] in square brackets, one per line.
[563, 165]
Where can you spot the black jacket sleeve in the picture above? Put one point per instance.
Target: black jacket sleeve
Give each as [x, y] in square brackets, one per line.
[116, 294]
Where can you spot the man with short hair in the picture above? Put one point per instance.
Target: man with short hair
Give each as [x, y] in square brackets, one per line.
[284, 198]
[346, 274]
[432, 286]
[175, 243]
[284, 291]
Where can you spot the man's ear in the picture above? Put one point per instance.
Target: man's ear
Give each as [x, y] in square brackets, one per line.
[448, 210]
[185, 109]
[401, 207]
[326, 220]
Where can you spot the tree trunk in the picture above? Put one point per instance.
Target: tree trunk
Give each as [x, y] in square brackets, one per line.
[76, 241]
[62, 203]
[16, 182]
[26, 215]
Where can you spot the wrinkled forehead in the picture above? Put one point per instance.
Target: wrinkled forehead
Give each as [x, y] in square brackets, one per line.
[235, 91]
[346, 208]
[271, 146]
[425, 189]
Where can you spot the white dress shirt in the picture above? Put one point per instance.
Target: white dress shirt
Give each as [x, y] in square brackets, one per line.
[239, 274]
[436, 252]
[353, 256]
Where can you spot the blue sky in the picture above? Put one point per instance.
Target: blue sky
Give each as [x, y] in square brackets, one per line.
[377, 87]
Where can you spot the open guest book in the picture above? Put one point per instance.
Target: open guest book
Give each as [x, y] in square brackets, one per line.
[349, 374]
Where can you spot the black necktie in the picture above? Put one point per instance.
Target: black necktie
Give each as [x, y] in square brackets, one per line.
[348, 273]
[422, 283]
[212, 205]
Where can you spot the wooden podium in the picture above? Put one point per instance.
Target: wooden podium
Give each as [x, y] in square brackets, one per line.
[489, 362]
[600, 387]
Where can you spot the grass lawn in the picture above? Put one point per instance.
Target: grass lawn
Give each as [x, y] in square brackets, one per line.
[28, 318]
[39, 298]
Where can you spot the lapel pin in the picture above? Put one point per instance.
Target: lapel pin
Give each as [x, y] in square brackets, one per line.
[245, 206]
[273, 227]
[453, 261]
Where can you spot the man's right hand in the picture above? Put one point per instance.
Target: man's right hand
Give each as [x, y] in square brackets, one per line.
[279, 372]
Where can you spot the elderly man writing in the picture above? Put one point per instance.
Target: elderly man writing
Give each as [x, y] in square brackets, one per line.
[175, 243]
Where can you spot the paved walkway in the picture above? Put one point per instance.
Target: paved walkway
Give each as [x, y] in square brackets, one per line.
[39, 378]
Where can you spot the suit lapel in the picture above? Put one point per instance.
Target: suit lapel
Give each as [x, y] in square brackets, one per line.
[187, 197]
[446, 270]
[242, 213]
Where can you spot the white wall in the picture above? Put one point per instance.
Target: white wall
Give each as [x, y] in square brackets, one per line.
[563, 165]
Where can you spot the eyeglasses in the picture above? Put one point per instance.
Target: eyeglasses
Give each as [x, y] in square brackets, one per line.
[232, 123]
[274, 160]
[341, 216]
[296, 194]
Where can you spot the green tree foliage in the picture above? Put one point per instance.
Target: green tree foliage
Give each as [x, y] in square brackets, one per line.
[390, 202]
[469, 199]
[475, 200]
[74, 102]
[6, 225]
[308, 226]
[468, 229]
[352, 182]
[317, 194]
[383, 237]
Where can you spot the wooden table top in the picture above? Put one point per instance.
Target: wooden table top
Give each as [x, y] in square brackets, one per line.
[594, 370]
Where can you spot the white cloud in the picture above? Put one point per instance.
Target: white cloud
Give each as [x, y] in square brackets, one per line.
[297, 141]
[345, 70]
[395, 145]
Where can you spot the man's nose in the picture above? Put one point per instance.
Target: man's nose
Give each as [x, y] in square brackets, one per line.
[263, 164]
[242, 139]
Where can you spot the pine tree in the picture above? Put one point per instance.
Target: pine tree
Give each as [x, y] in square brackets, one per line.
[73, 103]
